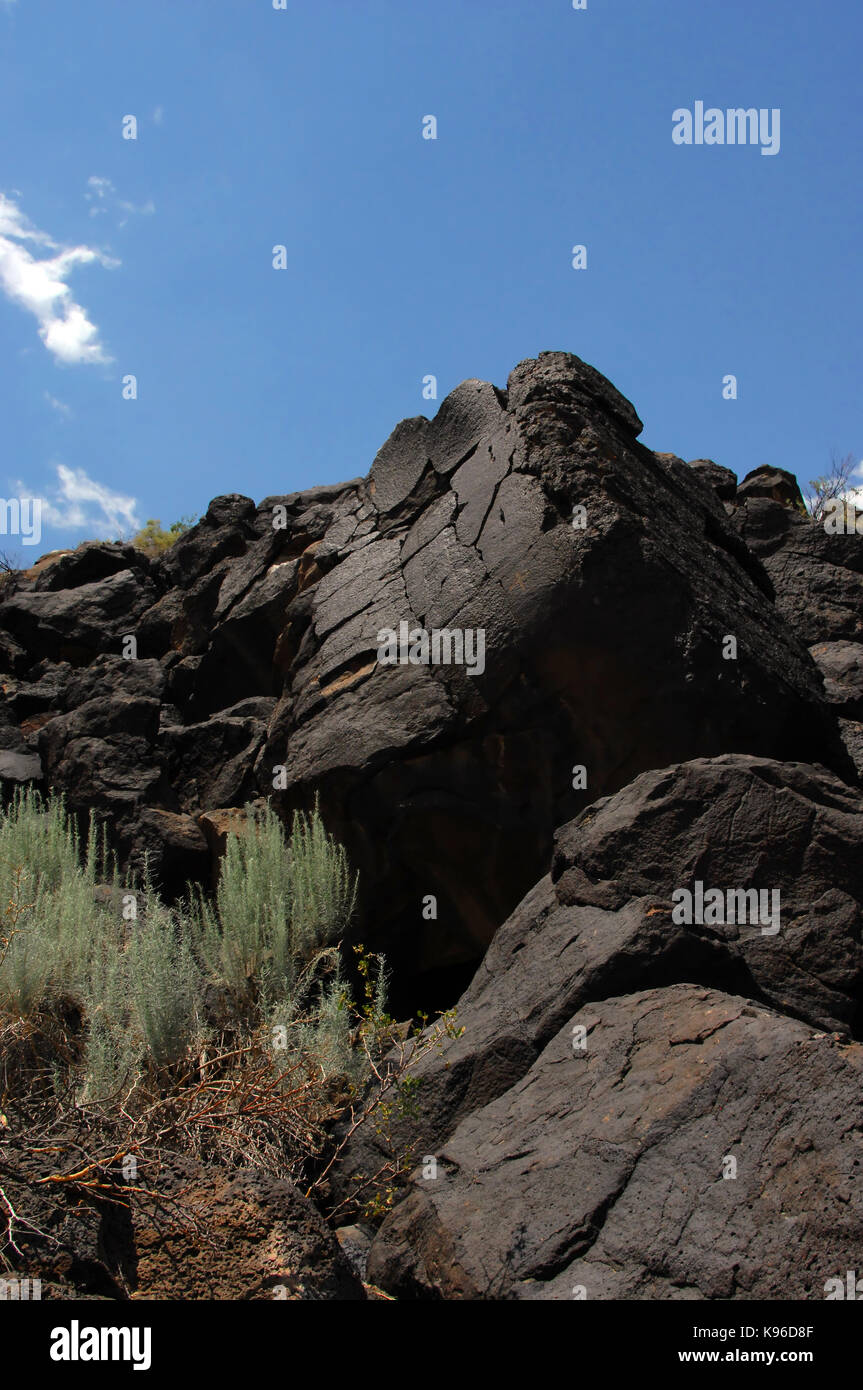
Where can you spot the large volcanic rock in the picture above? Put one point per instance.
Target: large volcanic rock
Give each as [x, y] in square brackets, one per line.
[602, 924]
[612, 1057]
[698, 1147]
[203, 1233]
[627, 626]
[817, 576]
[638, 1105]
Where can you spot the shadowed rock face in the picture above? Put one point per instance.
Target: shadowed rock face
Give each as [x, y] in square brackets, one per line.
[613, 1057]
[212, 1233]
[817, 576]
[696, 649]
[603, 923]
[258, 649]
[604, 1172]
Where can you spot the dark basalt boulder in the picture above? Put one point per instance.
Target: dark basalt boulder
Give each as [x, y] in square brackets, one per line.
[627, 625]
[194, 1232]
[777, 484]
[669, 693]
[603, 648]
[841, 666]
[817, 576]
[262, 1240]
[602, 924]
[90, 563]
[20, 768]
[79, 623]
[697, 1147]
[721, 480]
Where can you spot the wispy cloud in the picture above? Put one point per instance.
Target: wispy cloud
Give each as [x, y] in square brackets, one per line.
[60, 406]
[79, 503]
[136, 209]
[102, 196]
[40, 286]
[159, 115]
[100, 188]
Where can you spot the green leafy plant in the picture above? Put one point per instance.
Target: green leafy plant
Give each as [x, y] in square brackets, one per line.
[154, 539]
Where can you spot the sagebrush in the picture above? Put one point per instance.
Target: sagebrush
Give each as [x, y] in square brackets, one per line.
[224, 1027]
[155, 987]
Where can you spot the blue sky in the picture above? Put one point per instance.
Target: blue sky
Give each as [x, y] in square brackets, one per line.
[405, 256]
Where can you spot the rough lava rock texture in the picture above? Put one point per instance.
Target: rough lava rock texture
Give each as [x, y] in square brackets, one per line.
[257, 649]
[695, 647]
[601, 925]
[600, 1173]
[265, 1241]
[210, 1234]
[817, 576]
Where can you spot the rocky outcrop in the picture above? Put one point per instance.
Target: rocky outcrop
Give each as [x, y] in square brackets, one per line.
[641, 1105]
[697, 1147]
[626, 626]
[243, 1235]
[817, 576]
[201, 1233]
[668, 700]
[604, 923]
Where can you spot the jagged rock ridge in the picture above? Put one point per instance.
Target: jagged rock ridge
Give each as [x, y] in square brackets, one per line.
[257, 649]
[639, 1106]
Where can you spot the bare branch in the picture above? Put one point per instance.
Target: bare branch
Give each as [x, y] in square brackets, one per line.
[832, 486]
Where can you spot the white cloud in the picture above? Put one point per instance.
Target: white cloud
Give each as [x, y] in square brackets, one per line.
[855, 494]
[60, 406]
[40, 286]
[79, 503]
[103, 196]
[145, 210]
[100, 189]
[159, 115]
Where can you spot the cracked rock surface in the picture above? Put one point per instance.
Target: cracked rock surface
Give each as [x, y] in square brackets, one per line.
[601, 1173]
[640, 1104]
[600, 1164]
[605, 577]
